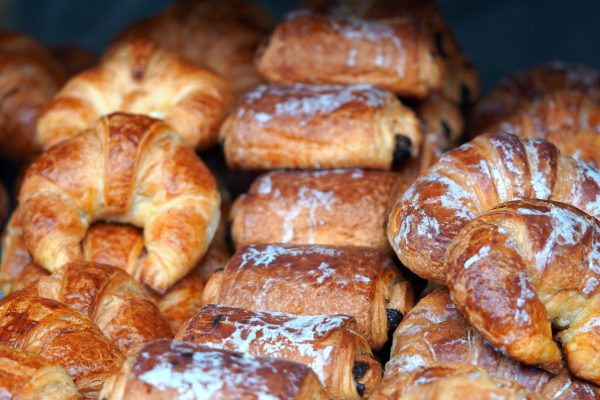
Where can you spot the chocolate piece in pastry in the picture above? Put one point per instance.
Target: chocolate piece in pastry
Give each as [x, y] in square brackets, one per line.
[315, 280]
[330, 345]
[319, 126]
[167, 369]
[336, 207]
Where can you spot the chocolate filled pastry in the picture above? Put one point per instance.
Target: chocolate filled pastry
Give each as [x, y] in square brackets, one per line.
[336, 207]
[138, 77]
[25, 375]
[434, 333]
[304, 126]
[340, 357]
[315, 280]
[397, 54]
[524, 268]
[167, 369]
[131, 169]
[473, 178]
[59, 335]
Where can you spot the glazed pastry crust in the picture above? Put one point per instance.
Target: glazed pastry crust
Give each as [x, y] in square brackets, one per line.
[397, 54]
[318, 126]
[359, 282]
[139, 78]
[328, 344]
[339, 208]
[165, 369]
[128, 168]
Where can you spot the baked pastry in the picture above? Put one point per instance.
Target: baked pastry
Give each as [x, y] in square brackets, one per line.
[28, 376]
[523, 87]
[435, 333]
[139, 78]
[127, 168]
[319, 126]
[222, 35]
[29, 77]
[397, 54]
[15, 256]
[340, 357]
[524, 267]
[315, 280]
[59, 335]
[472, 179]
[336, 207]
[568, 119]
[74, 59]
[167, 369]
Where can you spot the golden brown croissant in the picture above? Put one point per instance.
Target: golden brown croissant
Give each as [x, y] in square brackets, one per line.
[568, 119]
[336, 207]
[523, 87]
[127, 168]
[74, 59]
[60, 335]
[15, 256]
[222, 35]
[304, 126]
[434, 332]
[25, 375]
[472, 179]
[523, 267]
[340, 357]
[167, 369]
[397, 54]
[314, 280]
[139, 78]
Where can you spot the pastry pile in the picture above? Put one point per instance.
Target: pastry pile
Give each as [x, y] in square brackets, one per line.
[396, 238]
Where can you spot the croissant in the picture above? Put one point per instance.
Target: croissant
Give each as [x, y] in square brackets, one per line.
[319, 126]
[397, 54]
[139, 78]
[523, 267]
[435, 333]
[26, 375]
[360, 282]
[568, 119]
[472, 179]
[59, 335]
[337, 207]
[167, 369]
[521, 88]
[74, 59]
[340, 357]
[127, 168]
[221, 35]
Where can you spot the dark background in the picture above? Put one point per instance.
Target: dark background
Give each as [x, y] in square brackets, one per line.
[499, 36]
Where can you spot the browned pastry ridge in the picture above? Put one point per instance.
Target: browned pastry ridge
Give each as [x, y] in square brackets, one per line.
[340, 357]
[138, 77]
[523, 267]
[29, 77]
[473, 178]
[335, 207]
[167, 369]
[315, 280]
[127, 168]
[25, 375]
[60, 335]
[434, 333]
[397, 54]
[222, 35]
[303, 126]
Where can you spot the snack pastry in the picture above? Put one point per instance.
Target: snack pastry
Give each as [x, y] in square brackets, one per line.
[315, 280]
[138, 77]
[473, 178]
[304, 126]
[167, 369]
[337, 207]
[340, 357]
[127, 168]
